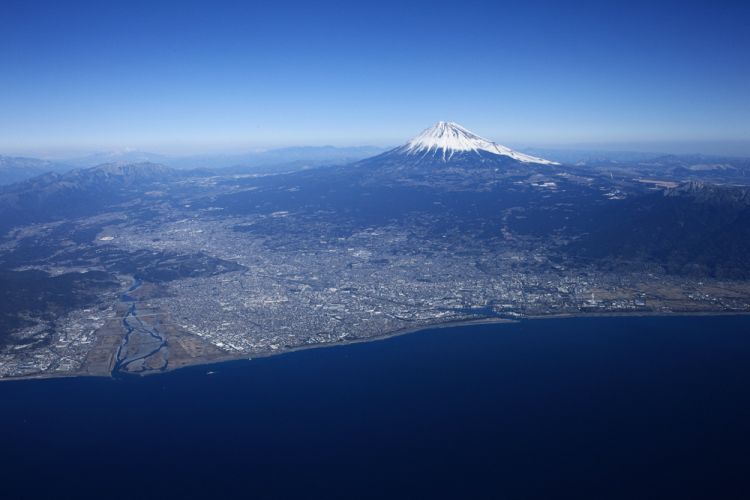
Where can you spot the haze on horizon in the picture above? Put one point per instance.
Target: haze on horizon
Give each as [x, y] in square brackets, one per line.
[192, 77]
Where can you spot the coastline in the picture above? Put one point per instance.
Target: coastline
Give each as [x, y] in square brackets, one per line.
[397, 333]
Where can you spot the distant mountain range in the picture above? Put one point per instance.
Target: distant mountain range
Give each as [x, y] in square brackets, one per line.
[57, 195]
[435, 145]
[273, 160]
[277, 160]
[683, 167]
[119, 156]
[16, 168]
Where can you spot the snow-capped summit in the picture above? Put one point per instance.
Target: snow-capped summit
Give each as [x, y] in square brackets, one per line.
[446, 139]
[448, 147]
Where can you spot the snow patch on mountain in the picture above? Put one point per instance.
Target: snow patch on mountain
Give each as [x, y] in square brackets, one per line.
[448, 138]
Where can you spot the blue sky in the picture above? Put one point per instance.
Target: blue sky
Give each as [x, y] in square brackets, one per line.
[211, 76]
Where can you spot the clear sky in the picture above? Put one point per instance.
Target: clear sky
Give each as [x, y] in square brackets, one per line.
[190, 77]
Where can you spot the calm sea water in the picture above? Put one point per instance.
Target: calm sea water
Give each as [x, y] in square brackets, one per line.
[569, 408]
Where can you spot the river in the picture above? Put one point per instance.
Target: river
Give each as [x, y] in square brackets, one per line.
[141, 341]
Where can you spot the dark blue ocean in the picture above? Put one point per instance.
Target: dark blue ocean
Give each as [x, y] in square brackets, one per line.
[565, 408]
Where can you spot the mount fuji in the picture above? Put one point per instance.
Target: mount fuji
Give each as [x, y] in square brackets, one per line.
[450, 144]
